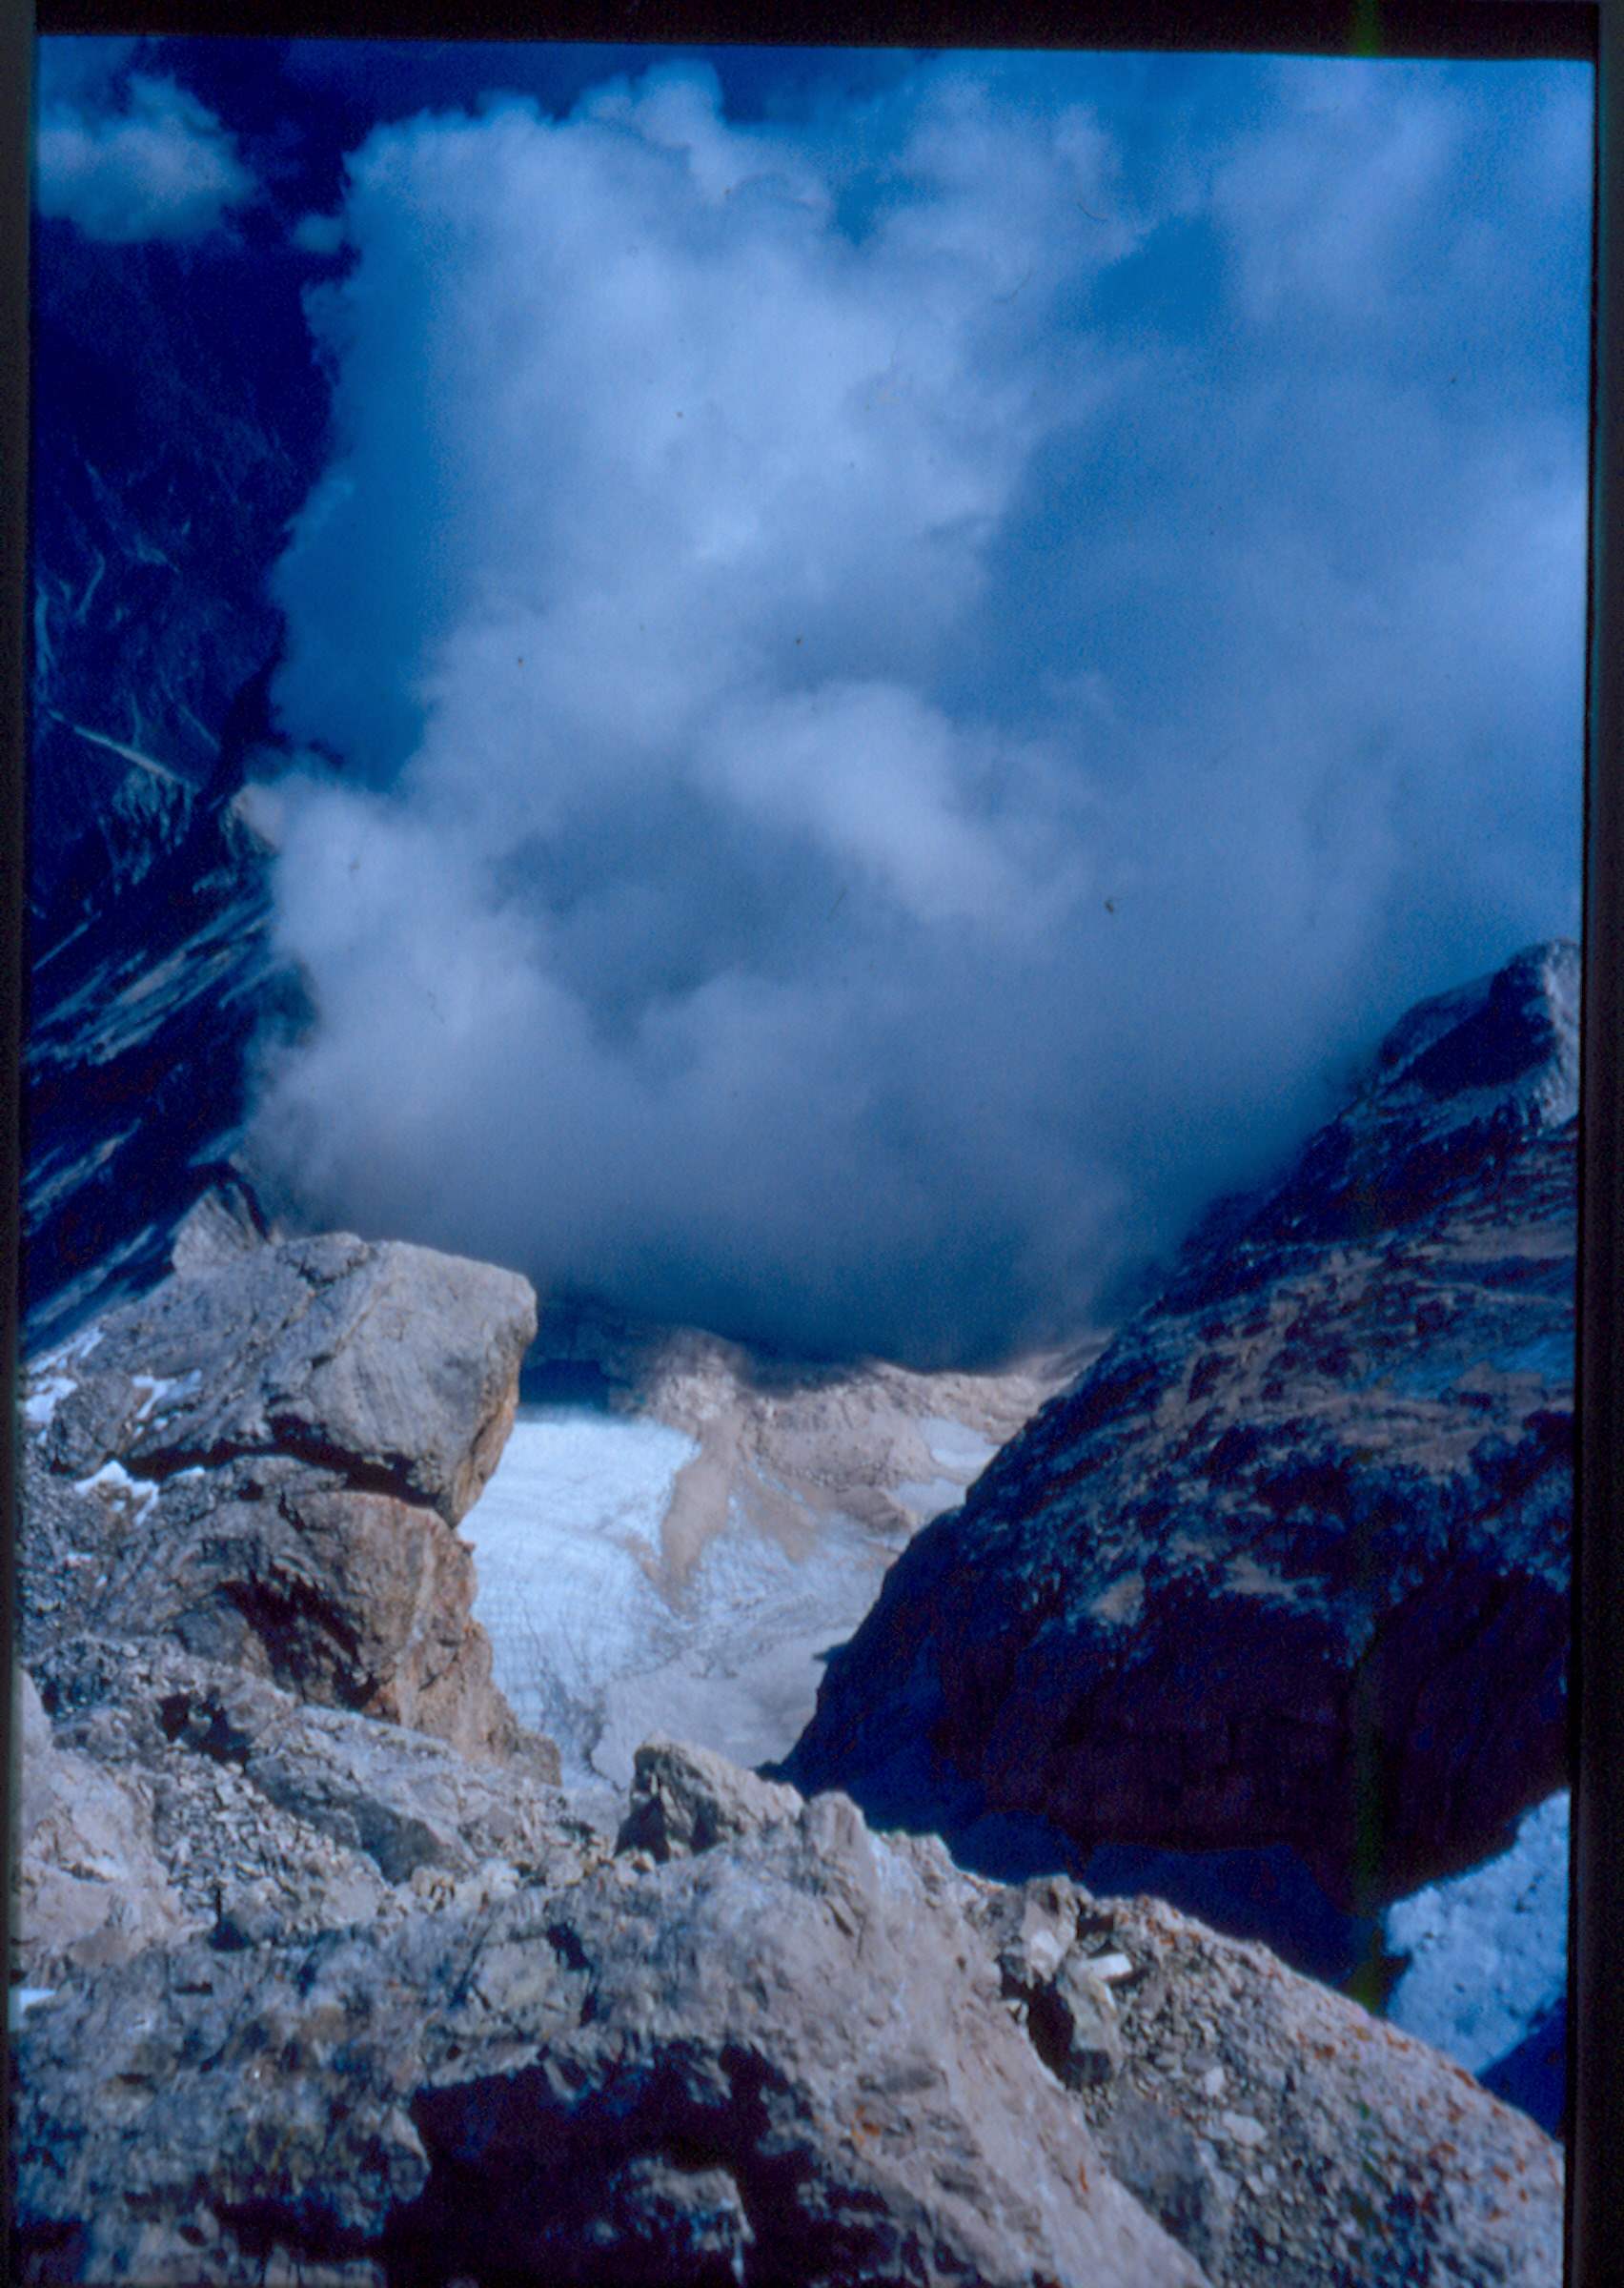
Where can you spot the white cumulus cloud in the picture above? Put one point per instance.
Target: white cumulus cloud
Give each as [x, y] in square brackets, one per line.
[883, 695]
[152, 163]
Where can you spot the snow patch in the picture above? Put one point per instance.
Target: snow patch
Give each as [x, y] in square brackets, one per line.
[565, 1535]
[163, 1387]
[113, 1478]
[928, 1496]
[1488, 1950]
[41, 1403]
[963, 1452]
[152, 1387]
[595, 1643]
[68, 1354]
[22, 1999]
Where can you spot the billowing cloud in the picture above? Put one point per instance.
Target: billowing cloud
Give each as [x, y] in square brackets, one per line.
[886, 699]
[128, 155]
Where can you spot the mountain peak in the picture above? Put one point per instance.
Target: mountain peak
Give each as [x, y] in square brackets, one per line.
[1453, 1087]
[1508, 1039]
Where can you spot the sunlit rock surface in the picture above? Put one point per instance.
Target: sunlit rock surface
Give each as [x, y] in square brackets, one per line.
[745, 2040]
[1290, 1563]
[265, 1460]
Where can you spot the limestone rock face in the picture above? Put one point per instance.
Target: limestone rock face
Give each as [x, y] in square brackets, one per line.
[768, 2062]
[90, 1887]
[1291, 1562]
[265, 1460]
[805, 2054]
[394, 1366]
[220, 1804]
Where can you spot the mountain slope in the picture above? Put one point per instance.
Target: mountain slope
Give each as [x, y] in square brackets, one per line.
[180, 422]
[1290, 1563]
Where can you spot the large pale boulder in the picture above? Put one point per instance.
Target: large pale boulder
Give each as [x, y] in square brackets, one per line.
[90, 1887]
[265, 1460]
[687, 1799]
[390, 1365]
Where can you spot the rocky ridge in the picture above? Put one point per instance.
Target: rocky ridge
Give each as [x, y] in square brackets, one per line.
[1290, 1563]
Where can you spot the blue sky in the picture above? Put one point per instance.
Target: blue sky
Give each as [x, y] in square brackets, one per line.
[899, 660]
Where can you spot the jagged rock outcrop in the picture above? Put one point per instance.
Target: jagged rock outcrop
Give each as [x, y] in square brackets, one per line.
[1276, 2129]
[89, 1884]
[803, 2054]
[265, 1461]
[1291, 1562]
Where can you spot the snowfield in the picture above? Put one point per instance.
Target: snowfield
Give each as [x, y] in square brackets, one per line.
[599, 1638]
[1489, 1949]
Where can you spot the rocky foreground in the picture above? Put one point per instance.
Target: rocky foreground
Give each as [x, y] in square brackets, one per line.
[1290, 1563]
[745, 2040]
[319, 1978]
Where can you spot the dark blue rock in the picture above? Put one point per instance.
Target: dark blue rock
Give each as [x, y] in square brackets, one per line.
[1290, 1565]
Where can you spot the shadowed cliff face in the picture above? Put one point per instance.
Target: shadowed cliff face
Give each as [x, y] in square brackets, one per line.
[135, 1072]
[1290, 1563]
[180, 420]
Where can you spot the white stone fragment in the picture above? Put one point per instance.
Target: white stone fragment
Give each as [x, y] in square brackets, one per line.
[1043, 1950]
